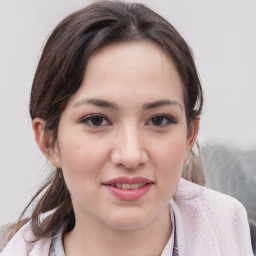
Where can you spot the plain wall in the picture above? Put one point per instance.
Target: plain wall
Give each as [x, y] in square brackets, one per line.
[222, 34]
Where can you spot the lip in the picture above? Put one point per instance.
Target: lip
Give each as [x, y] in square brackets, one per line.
[128, 194]
[128, 180]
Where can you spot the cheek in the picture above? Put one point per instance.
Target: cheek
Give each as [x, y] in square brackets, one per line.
[81, 158]
[82, 163]
[168, 165]
[170, 156]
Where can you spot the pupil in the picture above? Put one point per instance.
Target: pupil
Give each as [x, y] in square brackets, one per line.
[97, 120]
[158, 120]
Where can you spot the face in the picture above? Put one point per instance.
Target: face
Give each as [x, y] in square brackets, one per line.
[122, 138]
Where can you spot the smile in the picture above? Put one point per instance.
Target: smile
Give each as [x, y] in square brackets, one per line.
[128, 189]
[128, 186]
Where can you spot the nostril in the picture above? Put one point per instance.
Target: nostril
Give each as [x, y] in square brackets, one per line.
[129, 157]
[130, 166]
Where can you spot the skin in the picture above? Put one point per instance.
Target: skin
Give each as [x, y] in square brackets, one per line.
[127, 141]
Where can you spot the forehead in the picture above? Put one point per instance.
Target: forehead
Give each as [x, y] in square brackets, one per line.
[140, 68]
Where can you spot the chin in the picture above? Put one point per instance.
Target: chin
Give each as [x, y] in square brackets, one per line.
[128, 221]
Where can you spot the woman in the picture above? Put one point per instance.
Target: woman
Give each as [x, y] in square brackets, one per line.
[115, 107]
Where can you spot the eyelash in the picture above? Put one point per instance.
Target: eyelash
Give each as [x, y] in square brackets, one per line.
[168, 120]
[88, 120]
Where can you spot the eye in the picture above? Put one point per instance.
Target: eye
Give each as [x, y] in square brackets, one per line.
[95, 120]
[161, 120]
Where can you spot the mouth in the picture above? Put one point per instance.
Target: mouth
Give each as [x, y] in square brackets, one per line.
[129, 188]
[126, 186]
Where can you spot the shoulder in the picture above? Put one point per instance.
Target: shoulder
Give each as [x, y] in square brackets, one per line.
[3, 236]
[20, 244]
[194, 194]
[207, 215]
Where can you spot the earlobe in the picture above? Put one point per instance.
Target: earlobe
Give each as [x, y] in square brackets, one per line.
[186, 158]
[191, 138]
[194, 132]
[43, 140]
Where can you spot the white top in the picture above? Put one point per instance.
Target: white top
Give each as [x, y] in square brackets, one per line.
[57, 248]
[170, 244]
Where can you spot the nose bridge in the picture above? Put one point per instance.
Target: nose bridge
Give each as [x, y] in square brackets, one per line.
[131, 140]
[129, 148]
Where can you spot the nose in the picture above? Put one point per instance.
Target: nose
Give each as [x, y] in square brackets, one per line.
[129, 150]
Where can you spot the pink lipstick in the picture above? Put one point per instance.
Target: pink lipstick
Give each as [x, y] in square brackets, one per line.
[128, 189]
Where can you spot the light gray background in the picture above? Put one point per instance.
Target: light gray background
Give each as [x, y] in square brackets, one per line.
[222, 34]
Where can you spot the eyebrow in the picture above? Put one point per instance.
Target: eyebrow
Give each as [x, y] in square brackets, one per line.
[108, 104]
[161, 103]
[97, 102]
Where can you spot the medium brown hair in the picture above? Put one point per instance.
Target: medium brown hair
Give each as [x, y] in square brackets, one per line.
[60, 73]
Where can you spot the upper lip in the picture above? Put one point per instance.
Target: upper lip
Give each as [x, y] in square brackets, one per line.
[127, 180]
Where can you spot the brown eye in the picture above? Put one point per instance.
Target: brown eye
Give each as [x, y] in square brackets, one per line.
[95, 120]
[158, 120]
[161, 120]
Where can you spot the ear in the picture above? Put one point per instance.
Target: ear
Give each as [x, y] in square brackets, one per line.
[192, 135]
[43, 140]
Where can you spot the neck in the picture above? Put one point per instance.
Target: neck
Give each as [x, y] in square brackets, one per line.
[94, 238]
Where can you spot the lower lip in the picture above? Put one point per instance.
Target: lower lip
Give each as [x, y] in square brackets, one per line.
[129, 194]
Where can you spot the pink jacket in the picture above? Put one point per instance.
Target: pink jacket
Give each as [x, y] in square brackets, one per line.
[208, 223]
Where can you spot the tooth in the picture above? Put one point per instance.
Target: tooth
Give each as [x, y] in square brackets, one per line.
[126, 186]
[118, 185]
[141, 184]
[134, 186]
[112, 185]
